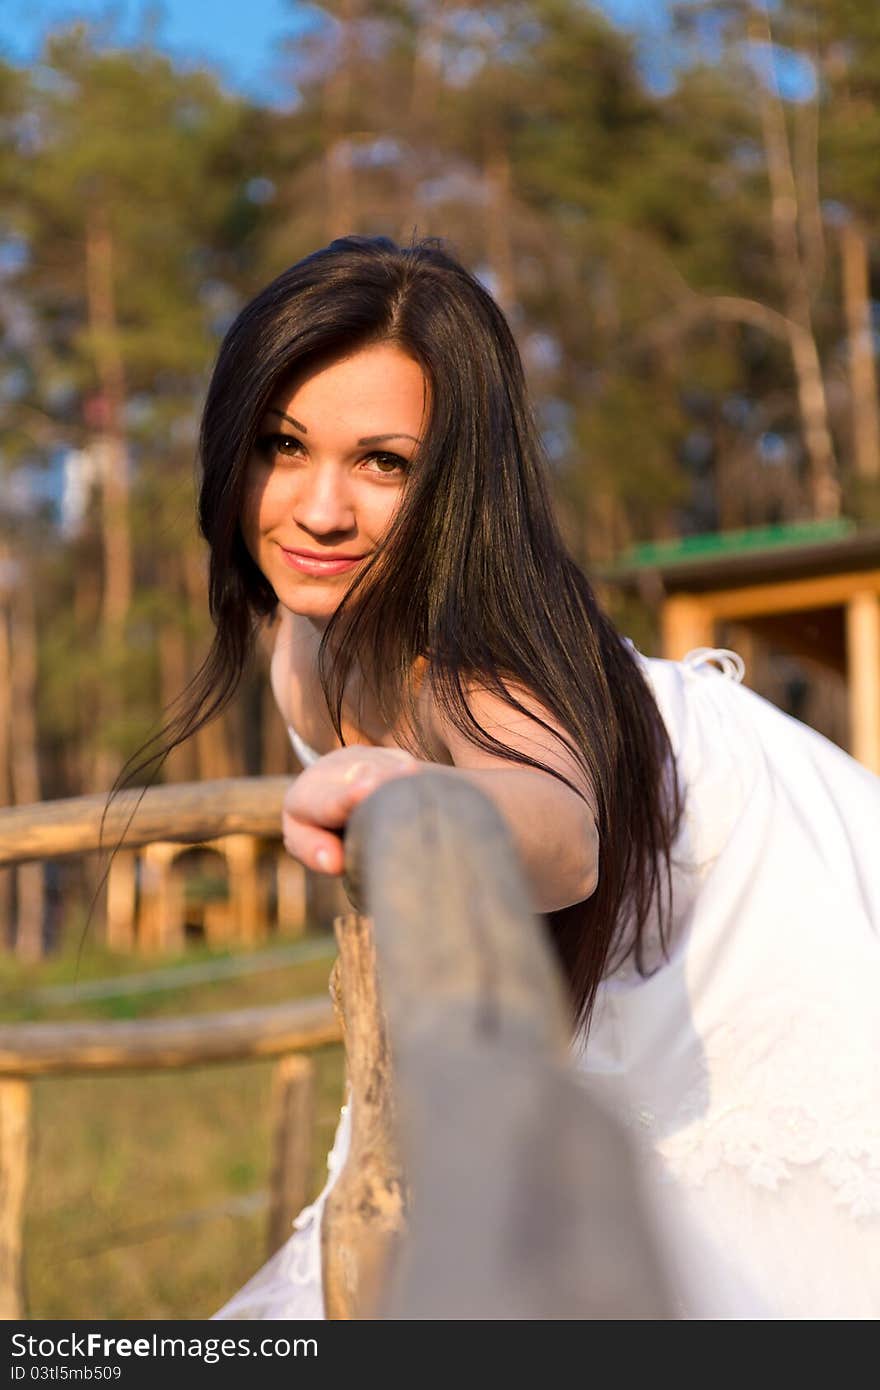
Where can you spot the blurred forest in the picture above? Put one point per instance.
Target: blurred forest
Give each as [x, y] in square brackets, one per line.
[688, 271]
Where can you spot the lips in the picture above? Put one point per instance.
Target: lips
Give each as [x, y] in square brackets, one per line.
[321, 554]
[319, 565]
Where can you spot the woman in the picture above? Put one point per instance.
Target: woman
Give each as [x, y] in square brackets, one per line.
[373, 480]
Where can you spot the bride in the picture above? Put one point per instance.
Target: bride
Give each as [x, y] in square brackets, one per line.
[373, 481]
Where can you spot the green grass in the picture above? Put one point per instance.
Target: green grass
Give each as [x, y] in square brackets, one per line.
[147, 1190]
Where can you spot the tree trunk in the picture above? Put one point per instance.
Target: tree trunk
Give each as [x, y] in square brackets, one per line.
[338, 164]
[81, 756]
[806, 173]
[499, 244]
[6, 875]
[25, 763]
[111, 448]
[792, 268]
[422, 121]
[862, 367]
[212, 742]
[174, 674]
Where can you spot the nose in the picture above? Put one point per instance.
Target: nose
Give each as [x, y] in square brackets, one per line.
[323, 503]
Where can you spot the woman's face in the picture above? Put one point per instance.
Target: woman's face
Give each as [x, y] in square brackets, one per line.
[328, 472]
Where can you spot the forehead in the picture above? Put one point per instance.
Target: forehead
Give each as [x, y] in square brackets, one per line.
[379, 385]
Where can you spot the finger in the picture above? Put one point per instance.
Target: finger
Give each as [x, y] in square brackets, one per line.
[325, 800]
[316, 849]
[329, 801]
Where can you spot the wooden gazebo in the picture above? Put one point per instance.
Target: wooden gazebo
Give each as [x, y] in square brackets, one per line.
[813, 590]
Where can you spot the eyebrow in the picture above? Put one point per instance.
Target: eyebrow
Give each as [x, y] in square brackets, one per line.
[368, 439]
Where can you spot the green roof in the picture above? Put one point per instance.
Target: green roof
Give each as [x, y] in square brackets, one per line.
[656, 554]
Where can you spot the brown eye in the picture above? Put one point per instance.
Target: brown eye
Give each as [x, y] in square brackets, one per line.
[390, 464]
[268, 445]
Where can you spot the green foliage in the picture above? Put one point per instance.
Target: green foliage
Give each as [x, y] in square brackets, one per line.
[608, 212]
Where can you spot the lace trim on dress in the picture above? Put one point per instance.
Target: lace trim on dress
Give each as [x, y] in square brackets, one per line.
[305, 1263]
[777, 1116]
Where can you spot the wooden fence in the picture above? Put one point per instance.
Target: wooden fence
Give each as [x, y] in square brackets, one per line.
[189, 814]
[483, 1181]
[30, 1050]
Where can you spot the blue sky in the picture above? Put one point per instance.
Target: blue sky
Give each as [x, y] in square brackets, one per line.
[233, 36]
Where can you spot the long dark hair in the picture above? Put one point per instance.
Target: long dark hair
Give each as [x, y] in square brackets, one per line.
[473, 570]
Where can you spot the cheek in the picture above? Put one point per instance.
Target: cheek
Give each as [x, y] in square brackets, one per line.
[378, 514]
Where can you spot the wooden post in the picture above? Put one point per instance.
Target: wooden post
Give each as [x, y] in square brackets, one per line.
[525, 1196]
[160, 927]
[686, 623]
[121, 900]
[290, 891]
[863, 662]
[248, 919]
[15, 1099]
[293, 1110]
[217, 924]
[365, 1208]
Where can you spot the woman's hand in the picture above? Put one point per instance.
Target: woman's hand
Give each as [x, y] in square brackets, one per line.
[323, 797]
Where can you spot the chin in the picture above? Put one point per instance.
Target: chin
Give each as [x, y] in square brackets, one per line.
[316, 602]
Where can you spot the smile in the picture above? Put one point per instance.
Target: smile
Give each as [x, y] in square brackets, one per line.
[306, 565]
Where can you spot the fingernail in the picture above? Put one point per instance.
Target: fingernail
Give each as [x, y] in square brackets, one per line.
[322, 858]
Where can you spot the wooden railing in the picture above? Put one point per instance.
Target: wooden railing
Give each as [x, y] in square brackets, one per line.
[483, 1180]
[31, 1050]
[189, 814]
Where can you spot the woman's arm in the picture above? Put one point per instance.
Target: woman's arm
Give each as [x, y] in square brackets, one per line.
[553, 829]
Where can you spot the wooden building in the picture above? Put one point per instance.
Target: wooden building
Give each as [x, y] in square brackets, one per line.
[235, 890]
[811, 590]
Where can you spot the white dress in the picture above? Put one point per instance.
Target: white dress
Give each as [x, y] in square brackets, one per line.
[747, 1068]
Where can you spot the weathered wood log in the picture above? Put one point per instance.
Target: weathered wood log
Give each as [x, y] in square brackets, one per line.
[335, 987]
[42, 1049]
[365, 1208]
[15, 1102]
[525, 1202]
[432, 862]
[293, 1123]
[186, 812]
